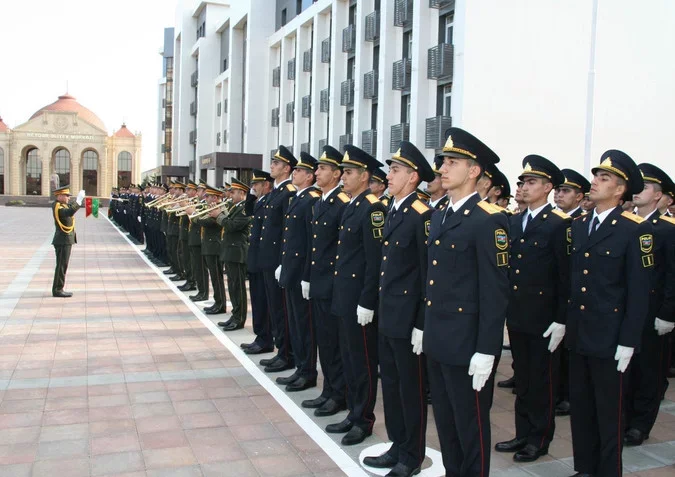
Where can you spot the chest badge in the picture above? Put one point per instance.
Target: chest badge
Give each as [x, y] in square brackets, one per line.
[501, 239]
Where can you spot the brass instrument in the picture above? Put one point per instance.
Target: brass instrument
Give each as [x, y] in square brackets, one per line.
[158, 199]
[207, 210]
[178, 199]
[119, 199]
[198, 207]
[192, 202]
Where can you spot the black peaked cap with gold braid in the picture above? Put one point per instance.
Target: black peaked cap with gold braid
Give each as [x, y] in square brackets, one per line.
[464, 145]
[409, 156]
[355, 157]
[306, 162]
[651, 173]
[285, 155]
[380, 176]
[65, 190]
[500, 180]
[621, 164]
[239, 185]
[538, 166]
[330, 156]
[576, 180]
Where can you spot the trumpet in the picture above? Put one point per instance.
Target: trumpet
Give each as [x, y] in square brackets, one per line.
[182, 211]
[158, 199]
[207, 210]
[178, 199]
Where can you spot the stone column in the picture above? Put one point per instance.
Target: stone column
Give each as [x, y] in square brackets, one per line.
[75, 170]
[15, 176]
[45, 173]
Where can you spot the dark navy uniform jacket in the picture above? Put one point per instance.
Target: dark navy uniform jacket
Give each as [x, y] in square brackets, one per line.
[269, 253]
[359, 253]
[467, 283]
[326, 217]
[539, 273]
[610, 280]
[404, 268]
[255, 208]
[662, 292]
[296, 237]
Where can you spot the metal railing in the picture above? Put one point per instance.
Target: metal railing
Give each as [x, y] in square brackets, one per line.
[434, 131]
[440, 61]
[372, 26]
[401, 74]
[290, 111]
[275, 117]
[370, 85]
[276, 76]
[324, 101]
[325, 50]
[344, 140]
[194, 79]
[399, 132]
[403, 12]
[347, 93]
[291, 69]
[307, 61]
[349, 39]
[306, 106]
[369, 141]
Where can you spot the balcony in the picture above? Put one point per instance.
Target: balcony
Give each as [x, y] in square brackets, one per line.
[401, 74]
[369, 141]
[324, 101]
[307, 61]
[291, 70]
[219, 109]
[325, 50]
[344, 140]
[370, 85]
[373, 26]
[322, 143]
[434, 131]
[403, 13]
[440, 61]
[306, 106]
[275, 117]
[304, 147]
[194, 79]
[347, 93]
[399, 132]
[349, 39]
[290, 111]
[276, 77]
[193, 136]
[193, 108]
[440, 3]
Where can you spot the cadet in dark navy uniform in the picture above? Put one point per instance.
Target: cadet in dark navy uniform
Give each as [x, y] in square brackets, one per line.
[318, 282]
[536, 316]
[467, 294]
[378, 186]
[439, 197]
[611, 263]
[355, 294]
[269, 256]
[295, 253]
[401, 313]
[647, 371]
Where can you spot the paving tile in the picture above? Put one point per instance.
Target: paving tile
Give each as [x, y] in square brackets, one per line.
[23, 419]
[61, 467]
[169, 457]
[194, 407]
[190, 471]
[67, 449]
[237, 468]
[16, 470]
[66, 416]
[19, 435]
[635, 461]
[163, 439]
[201, 420]
[18, 453]
[117, 463]
[64, 432]
[262, 447]
[280, 465]
[115, 443]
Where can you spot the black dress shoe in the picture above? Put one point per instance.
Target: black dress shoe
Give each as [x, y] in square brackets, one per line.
[340, 427]
[514, 445]
[506, 347]
[207, 308]
[530, 453]
[225, 323]
[384, 461]
[255, 348]
[278, 366]
[199, 297]
[268, 361]
[215, 311]
[187, 287]
[301, 384]
[62, 294]
[402, 470]
[356, 435]
[562, 408]
[287, 379]
[329, 408]
[246, 345]
[176, 278]
[314, 403]
[170, 271]
[582, 474]
[233, 326]
[634, 437]
[508, 383]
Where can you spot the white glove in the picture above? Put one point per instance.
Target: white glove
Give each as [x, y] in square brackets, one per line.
[139, 219]
[663, 327]
[125, 210]
[80, 197]
[623, 356]
[480, 368]
[416, 341]
[277, 273]
[364, 316]
[253, 193]
[305, 289]
[557, 332]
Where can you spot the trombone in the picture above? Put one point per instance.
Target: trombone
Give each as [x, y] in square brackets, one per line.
[207, 210]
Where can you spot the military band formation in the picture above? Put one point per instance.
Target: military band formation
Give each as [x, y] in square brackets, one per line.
[415, 287]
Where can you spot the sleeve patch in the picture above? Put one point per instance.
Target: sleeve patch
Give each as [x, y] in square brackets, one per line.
[646, 243]
[502, 259]
[377, 233]
[648, 260]
[501, 239]
[377, 218]
[427, 227]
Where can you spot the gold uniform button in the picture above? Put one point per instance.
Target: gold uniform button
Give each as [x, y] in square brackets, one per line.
[520, 256]
[582, 307]
[515, 287]
[353, 275]
[312, 262]
[313, 249]
[522, 240]
[435, 263]
[583, 289]
[452, 246]
[616, 310]
[437, 242]
[517, 272]
[314, 235]
[460, 309]
[429, 303]
[386, 243]
[585, 272]
[336, 273]
[431, 282]
[384, 258]
[587, 255]
[381, 274]
[336, 257]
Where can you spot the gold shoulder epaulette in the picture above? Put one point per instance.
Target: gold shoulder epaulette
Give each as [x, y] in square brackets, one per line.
[372, 199]
[670, 220]
[385, 201]
[420, 207]
[560, 214]
[290, 188]
[487, 207]
[635, 218]
[344, 198]
[314, 194]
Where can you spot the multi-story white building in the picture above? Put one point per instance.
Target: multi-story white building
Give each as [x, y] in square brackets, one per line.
[526, 76]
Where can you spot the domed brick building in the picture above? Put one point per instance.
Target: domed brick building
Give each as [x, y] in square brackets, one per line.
[67, 143]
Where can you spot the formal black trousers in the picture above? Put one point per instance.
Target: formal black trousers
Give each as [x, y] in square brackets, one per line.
[276, 304]
[536, 372]
[186, 261]
[215, 268]
[563, 393]
[200, 274]
[403, 377]
[358, 346]
[172, 251]
[62, 259]
[236, 285]
[328, 340]
[301, 331]
[596, 399]
[262, 327]
[462, 418]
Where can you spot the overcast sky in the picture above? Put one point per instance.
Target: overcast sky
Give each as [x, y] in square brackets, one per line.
[107, 52]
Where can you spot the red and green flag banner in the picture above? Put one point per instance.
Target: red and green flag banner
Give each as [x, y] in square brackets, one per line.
[91, 206]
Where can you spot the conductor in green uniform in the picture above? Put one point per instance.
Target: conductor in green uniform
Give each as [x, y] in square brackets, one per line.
[64, 236]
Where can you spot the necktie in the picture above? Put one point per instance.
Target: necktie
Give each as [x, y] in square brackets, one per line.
[594, 226]
[527, 222]
[448, 212]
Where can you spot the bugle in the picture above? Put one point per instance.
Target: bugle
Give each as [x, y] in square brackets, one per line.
[158, 199]
[207, 210]
[180, 209]
[171, 202]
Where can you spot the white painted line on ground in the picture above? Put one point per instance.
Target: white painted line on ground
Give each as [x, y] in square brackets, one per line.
[334, 451]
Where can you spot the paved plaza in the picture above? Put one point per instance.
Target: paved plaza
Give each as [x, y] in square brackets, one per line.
[129, 378]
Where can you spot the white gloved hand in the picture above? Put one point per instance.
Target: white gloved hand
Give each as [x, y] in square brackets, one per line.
[277, 273]
[139, 219]
[663, 327]
[480, 368]
[125, 210]
[305, 289]
[364, 316]
[623, 356]
[253, 193]
[557, 332]
[416, 340]
[80, 197]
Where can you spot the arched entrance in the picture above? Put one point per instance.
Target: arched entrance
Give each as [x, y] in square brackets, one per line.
[90, 172]
[33, 173]
[123, 169]
[62, 166]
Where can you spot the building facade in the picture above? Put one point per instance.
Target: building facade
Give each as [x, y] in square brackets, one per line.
[165, 102]
[65, 143]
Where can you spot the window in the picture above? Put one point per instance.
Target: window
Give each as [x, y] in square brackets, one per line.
[90, 161]
[405, 108]
[376, 58]
[62, 166]
[373, 117]
[349, 120]
[33, 173]
[90, 172]
[283, 17]
[2, 171]
[298, 7]
[447, 100]
[407, 45]
[123, 169]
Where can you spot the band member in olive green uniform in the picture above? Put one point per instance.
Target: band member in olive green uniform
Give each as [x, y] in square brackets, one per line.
[64, 236]
[236, 225]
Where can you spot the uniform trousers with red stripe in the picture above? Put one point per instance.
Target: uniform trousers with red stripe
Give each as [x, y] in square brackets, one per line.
[358, 347]
[403, 376]
[536, 370]
[301, 332]
[462, 418]
[596, 399]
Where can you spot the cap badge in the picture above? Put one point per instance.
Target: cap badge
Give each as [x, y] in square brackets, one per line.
[346, 156]
[323, 156]
[448, 143]
[607, 162]
[528, 167]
